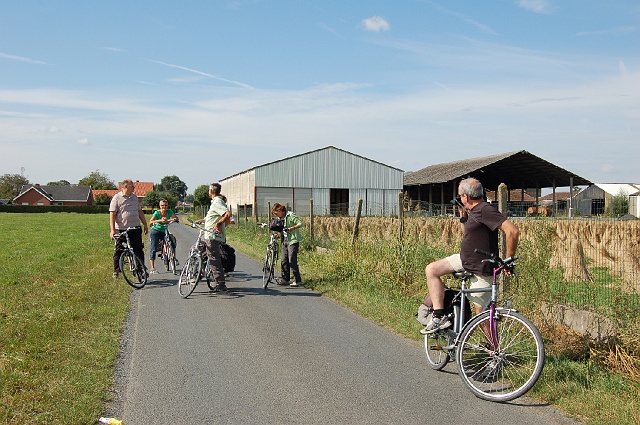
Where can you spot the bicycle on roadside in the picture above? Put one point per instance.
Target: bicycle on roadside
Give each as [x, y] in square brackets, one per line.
[168, 250]
[197, 265]
[131, 266]
[499, 352]
[271, 255]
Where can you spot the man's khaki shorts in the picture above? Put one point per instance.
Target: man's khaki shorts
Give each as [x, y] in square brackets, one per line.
[480, 298]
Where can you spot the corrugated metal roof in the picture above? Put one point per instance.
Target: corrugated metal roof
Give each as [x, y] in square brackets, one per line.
[308, 153]
[515, 169]
[616, 188]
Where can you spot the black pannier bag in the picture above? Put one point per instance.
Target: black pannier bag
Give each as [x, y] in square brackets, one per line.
[228, 255]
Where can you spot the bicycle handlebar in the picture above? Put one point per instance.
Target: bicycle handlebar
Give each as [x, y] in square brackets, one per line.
[195, 225]
[507, 263]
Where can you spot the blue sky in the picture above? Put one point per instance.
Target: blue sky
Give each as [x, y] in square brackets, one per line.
[206, 89]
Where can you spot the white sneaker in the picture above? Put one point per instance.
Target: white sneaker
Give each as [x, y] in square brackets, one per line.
[152, 271]
[436, 323]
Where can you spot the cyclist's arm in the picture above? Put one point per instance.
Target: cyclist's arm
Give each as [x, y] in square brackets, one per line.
[143, 219]
[112, 224]
[512, 234]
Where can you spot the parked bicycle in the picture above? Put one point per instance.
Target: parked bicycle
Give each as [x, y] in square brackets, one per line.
[499, 352]
[168, 251]
[271, 256]
[196, 267]
[131, 266]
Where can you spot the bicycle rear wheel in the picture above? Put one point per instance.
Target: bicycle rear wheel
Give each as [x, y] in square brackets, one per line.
[437, 357]
[132, 268]
[510, 368]
[267, 268]
[189, 276]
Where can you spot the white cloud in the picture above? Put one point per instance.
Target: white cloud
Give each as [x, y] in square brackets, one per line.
[84, 141]
[623, 68]
[20, 58]
[376, 23]
[538, 6]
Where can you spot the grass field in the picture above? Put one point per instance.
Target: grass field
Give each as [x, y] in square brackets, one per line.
[61, 315]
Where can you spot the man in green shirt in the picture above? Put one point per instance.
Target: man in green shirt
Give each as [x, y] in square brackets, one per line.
[215, 222]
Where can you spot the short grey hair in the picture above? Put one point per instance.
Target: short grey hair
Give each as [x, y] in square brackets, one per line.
[216, 188]
[472, 188]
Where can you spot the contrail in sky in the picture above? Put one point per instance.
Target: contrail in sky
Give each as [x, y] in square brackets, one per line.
[195, 71]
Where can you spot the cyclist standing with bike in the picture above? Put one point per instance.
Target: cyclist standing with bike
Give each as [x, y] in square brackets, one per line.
[215, 222]
[125, 212]
[159, 222]
[290, 245]
[480, 222]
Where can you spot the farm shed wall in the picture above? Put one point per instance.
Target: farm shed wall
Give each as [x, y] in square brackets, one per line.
[333, 178]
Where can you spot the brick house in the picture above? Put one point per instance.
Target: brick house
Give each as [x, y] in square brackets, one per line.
[139, 188]
[54, 195]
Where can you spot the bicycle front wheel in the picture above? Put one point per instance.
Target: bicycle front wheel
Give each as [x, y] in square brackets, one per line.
[171, 258]
[267, 268]
[437, 355]
[189, 276]
[132, 268]
[506, 368]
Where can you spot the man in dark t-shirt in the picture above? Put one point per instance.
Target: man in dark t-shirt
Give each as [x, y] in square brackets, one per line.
[480, 223]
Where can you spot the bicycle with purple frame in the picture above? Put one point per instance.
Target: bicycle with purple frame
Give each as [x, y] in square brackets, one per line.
[499, 352]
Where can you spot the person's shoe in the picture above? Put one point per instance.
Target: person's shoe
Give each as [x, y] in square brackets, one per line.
[295, 284]
[152, 271]
[281, 281]
[115, 275]
[221, 287]
[436, 323]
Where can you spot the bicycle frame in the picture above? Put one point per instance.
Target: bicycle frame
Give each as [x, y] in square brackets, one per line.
[460, 313]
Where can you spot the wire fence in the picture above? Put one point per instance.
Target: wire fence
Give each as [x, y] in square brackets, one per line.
[589, 263]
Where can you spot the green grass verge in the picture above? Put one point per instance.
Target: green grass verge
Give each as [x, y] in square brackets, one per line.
[61, 315]
[384, 281]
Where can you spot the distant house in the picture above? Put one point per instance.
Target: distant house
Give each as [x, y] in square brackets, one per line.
[139, 188]
[595, 199]
[54, 195]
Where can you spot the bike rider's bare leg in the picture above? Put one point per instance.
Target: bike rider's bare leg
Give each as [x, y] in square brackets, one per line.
[434, 271]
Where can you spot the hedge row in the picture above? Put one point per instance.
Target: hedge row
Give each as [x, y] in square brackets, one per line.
[82, 209]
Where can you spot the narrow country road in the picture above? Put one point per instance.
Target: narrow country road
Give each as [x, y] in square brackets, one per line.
[281, 356]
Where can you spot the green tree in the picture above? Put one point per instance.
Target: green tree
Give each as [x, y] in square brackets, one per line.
[152, 199]
[98, 180]
[619, 204]
[102, 199]
[174, 186]
[59, 183]
[10, 185]
[201, 195]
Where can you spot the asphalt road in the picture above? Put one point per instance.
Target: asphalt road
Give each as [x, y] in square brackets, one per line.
[281, 356]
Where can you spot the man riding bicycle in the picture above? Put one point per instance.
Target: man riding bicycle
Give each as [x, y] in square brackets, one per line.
[480, 222]
[125, 212]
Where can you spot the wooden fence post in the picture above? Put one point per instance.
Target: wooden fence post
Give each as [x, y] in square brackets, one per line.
[311, 220]
[400, 215]
[357, 222]
[503, 207]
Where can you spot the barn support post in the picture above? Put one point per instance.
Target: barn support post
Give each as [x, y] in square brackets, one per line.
[570, 197]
